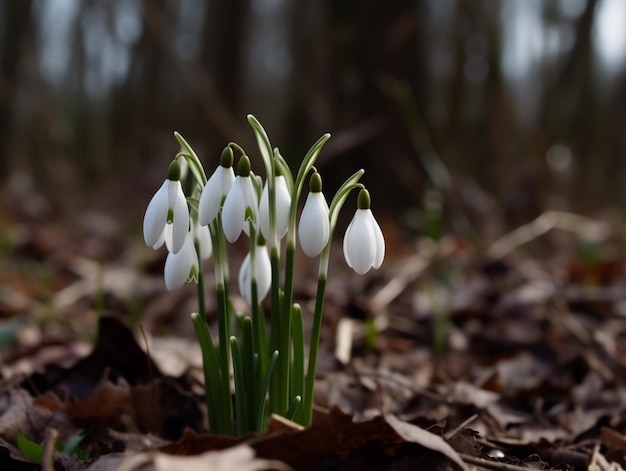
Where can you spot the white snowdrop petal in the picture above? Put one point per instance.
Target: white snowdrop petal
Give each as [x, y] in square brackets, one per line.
[180, 224]
[314, 227]
[264, 213]
[156, 217]
[210, 200]
[380, 244]
[244, 278]
[263, 274]
[233, 212]
[203, 235]
[283, 205]
[216, 188]
[359, 243]
[179, 266]
[250, 200]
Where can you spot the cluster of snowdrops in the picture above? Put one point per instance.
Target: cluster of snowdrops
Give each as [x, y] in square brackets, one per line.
[264, 367]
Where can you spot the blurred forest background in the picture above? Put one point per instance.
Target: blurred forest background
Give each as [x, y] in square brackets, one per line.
[492, 109]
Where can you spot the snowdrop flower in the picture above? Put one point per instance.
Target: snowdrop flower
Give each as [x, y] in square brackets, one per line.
[241, 203]
[263, 274]
[216, 188]
[182, 266]
[314, 228]
[363, 243]
[283, 203]
[167, 206]
[203, 236]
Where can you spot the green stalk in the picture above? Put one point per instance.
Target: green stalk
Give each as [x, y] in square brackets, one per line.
[293, 407]
[307, 412]
[240, 388]
[250, 367]
[223, 312]
[275, 323]
[264, 389]
[192, 158]
[297, 371]
[218, 421]
[335, 206]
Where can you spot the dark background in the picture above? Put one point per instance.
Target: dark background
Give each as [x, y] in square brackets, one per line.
[487, 111]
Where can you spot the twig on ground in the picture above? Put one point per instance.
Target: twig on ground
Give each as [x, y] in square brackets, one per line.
[47, 459]
[575, 223]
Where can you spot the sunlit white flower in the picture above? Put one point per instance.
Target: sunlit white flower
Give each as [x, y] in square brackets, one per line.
[363, 243]
[314, 227]
[263, 274]
[283, 203]
[182, 266]
[214, 192]
[167, 206]
[240, 206]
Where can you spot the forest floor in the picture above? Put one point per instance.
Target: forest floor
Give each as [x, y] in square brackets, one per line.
[510, 357]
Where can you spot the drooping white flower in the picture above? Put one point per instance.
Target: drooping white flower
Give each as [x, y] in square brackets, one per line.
[203, 236]
[241, 204]
[263, 274]
[363, 243]
[314, 227]
[216, 189]
[283, 203]
[182, 266]
[167, 206]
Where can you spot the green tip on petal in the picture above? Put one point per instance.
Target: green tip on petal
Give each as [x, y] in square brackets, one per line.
[315, 183]
[243, 167]
[260, 240]
[227, 158]
[278, 171]
[364, 201]
[173, 171]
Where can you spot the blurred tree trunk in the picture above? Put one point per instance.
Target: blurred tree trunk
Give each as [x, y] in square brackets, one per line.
[16, 25]
[223, 40]
[566, 112]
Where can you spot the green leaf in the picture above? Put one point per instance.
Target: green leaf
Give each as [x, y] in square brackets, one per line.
[31, 450]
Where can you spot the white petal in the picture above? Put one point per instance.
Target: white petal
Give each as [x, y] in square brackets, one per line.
[251, 201]
[244, 278]
[314, 228]
[283, 204]
[380, 244]
[233, 212]
[203, 236]
[359, 242]
[264, 213]
[180, 223]
[263, 275]
[181, 266]
[156, 217]
[263, 272]
[216, 188]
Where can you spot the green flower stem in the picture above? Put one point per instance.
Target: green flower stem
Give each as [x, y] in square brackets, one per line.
[335, 207]
[240, 388]
[275, 322]
[219, 422]
[293, 407]
[223, 311]
[194, 162]
[284, 340]
[250, 368]
[307, 410]
[297, 371]
[264, 389]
